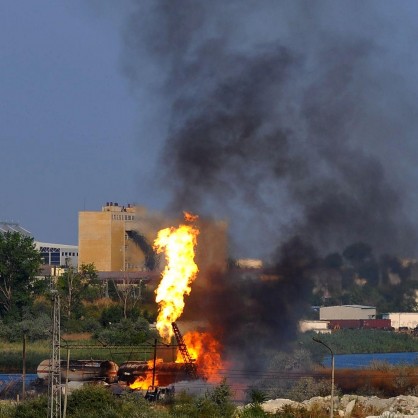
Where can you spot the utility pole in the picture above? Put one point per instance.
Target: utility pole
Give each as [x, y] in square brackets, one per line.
[317, 340]
[54, 381]
[154, 363]
[24, 366]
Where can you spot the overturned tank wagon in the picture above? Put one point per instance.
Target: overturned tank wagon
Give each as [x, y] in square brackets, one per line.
[82, 370]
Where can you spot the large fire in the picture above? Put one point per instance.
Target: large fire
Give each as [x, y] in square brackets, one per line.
[178, 244]
[205, 349]
[144, 382]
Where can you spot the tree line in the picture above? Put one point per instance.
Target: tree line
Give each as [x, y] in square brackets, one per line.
[354, 276]
[109, 311]
[358, 276]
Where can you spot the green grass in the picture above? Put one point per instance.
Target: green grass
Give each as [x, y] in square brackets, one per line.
[361, 341]
[11, 354]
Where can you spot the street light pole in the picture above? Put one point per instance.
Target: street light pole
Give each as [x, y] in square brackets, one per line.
[331, 414]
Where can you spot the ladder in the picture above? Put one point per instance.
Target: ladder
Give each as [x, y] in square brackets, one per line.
[189, 364]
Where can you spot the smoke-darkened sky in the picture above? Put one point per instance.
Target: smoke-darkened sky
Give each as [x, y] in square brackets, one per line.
[282, 117]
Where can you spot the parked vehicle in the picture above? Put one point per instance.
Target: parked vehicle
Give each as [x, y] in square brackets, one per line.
[156, 393]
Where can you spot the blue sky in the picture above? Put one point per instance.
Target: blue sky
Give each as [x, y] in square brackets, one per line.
[69, 120]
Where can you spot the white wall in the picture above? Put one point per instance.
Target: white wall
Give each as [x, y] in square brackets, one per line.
[403, 319]
[318, 326]
[347, 312]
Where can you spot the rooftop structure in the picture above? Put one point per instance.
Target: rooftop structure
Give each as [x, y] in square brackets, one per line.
[13, 227]
[347, 312]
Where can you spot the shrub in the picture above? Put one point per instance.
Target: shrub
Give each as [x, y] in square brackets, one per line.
[184, 406]
[307, 388]
[289, 411]
[126, 332]
[35, 329]
[253, 411]
[216, 403]
[33, 408]
[256, 396]
[111, 315]
[7, 409]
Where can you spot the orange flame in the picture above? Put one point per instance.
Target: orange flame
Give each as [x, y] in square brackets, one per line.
[180, 271]
[205, 349]
[144, 382]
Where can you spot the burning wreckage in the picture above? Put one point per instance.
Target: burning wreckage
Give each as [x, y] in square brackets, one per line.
[197, 352]
[157, 376]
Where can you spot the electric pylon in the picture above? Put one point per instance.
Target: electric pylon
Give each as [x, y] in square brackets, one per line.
[54, 381]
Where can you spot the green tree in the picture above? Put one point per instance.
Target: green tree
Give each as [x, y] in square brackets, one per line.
[125, 332]
[74, 286]
[129, 293]
[19, 264]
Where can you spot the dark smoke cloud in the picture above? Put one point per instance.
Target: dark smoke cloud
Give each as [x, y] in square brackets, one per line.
[289, 119]
[251, 316]
[282, 128]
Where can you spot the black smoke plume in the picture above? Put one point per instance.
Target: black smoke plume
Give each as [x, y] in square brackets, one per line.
[289, 119]
[285, 124]
[253, 315]
[146, 248]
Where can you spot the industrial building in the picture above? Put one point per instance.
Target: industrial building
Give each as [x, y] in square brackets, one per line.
[402, 319]
[119, 238]
[105, 237]
[347, 312]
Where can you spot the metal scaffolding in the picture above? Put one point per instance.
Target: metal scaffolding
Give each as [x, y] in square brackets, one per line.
[54, 381]
[189, 364]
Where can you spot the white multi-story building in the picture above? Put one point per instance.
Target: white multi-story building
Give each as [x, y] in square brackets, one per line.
[58, 254]
[52, 254]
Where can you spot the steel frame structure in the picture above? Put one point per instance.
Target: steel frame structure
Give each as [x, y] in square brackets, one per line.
[54, 381]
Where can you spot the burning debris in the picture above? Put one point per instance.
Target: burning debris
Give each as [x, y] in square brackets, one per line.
[150, 377]
[198, 353]
[206, 351]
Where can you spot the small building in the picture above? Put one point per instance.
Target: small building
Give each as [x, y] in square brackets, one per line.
[317, 326]
[402, 319]
[347, 312]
